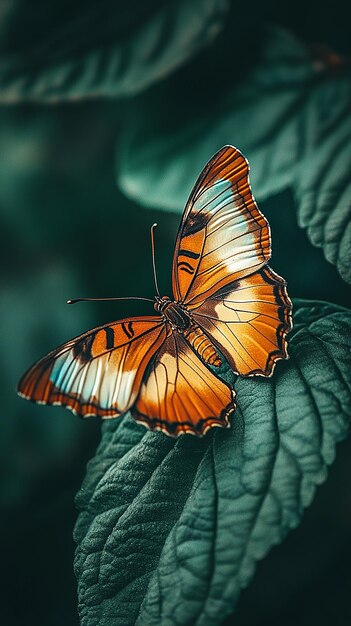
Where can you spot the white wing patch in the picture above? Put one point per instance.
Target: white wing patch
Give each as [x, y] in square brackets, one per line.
[101, 378]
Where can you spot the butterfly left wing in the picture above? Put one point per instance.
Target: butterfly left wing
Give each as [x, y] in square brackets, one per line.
[180, 394]
[222, 236]
[248, 321]
[98, 373]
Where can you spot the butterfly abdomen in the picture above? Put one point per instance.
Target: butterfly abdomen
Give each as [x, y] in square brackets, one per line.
[202, 345]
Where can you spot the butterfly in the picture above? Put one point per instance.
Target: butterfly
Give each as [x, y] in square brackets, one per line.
[228, 306]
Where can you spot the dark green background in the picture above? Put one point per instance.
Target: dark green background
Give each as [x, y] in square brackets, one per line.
[66, 232]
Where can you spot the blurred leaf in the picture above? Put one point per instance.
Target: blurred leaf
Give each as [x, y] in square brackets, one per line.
[323, 181]
[159, 155]
[170, 530]
[288, 115]
[107, 49]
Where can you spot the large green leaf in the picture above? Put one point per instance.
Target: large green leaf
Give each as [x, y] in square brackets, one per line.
[288, 115]
[323, 181]
[108, 48]
[170, 530]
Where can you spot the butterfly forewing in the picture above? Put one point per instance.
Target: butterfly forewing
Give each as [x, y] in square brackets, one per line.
[222, 236]
[98, 373]
[249, 320]
[180, 394]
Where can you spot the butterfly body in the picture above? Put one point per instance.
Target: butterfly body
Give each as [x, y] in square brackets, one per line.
[180, 320]
[227, 303]
[175, 313]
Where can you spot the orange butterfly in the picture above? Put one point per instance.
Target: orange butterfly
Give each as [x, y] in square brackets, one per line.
[228, 304]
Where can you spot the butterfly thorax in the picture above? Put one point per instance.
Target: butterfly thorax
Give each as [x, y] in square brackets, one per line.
[180, 320]
[175, 313]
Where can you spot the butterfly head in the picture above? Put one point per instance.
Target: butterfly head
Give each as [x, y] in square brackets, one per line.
[161, 303]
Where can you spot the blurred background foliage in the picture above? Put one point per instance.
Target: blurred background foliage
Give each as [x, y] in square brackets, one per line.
[92, 92]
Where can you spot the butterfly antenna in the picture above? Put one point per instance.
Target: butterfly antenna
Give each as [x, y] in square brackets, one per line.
[128, 297]
[153, 257]
[99, 299]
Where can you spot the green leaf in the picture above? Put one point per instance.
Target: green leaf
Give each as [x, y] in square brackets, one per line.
[288, 114]
[69, 54]
[323, 183]
[159, 156]
[170, 531]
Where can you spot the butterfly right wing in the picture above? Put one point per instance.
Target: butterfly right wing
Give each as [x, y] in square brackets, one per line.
[248, 321]
[98, 373]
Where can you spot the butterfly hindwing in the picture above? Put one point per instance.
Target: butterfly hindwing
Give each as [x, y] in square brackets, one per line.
[222, 235]
[180, 394]
[98, 373]
[249, 320]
